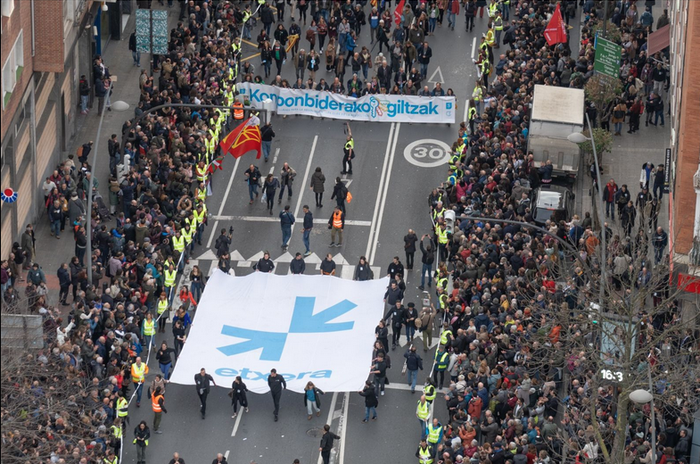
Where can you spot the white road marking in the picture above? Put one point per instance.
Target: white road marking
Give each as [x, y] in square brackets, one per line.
[306, 178]
[277, 152]
[348, 222]
[384, 195]
[379, 192]
[437, 72]
[466, 112]
[226, 453]
[237, 423]
[343, 428]
[223, 202]
[272, 169]
[347, 272]
[473, 46]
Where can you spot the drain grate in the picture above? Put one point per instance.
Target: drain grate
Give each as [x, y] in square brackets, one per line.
[315, 432]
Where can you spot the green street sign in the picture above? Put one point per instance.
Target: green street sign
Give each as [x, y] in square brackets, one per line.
[607, 58]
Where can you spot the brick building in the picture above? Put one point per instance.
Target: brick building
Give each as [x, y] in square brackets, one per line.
[684, 200]
[46, 46]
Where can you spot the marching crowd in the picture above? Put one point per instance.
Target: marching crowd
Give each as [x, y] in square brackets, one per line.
[499, 387]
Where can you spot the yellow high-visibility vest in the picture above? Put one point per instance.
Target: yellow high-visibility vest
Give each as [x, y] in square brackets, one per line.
[149, 328]
[442, 237]
[434, 433]
[443, 337]
[187, 234]
[122, 407]
[199, 217]
[179, 243]
[425, 455]
[116, 431]
[498, 23]
[138, 373]
[170, 278]
[429, 392]
[422, 411]
[162, 306]
[493, 7]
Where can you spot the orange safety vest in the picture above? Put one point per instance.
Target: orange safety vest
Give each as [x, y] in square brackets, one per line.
[155, 402]
[238, 111]
[337, 220]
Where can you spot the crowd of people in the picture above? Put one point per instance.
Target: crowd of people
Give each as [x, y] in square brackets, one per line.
[501, 388]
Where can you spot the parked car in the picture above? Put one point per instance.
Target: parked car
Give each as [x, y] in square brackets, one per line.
[553, 202]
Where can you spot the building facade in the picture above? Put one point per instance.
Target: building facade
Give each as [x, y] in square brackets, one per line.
[46, 46]
[684, 200]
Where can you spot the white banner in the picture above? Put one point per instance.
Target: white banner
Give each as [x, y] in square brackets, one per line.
[381, 108]
[310, 328]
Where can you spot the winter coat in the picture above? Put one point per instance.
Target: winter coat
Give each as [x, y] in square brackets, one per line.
[317, 182]
[238, 393]
[370, 397]
[317, 394]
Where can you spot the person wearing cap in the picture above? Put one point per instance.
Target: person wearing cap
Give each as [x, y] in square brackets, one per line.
[409, 319]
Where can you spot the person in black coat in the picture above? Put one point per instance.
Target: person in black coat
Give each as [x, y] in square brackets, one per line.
[135, 54]
[327, 443]
[371, 401]
[64, 282]
[395, 267]
[409, 246]
[238, 395]
[276, 383]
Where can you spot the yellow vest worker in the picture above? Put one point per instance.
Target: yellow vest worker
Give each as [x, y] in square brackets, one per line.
[423, 410]
[170, 278]
[429, 392]
[122, 407]
[179, 243]
[149, 327]
[162, 306]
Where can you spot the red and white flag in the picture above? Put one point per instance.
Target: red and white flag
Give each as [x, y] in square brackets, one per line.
[556, 29]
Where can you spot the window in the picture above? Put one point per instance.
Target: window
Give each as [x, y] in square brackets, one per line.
[8, 6]
[12, 69]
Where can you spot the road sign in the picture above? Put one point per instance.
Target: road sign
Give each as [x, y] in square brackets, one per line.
[427, 153]
[607, 58]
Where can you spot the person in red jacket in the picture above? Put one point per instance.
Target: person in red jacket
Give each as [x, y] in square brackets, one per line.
[609, 197]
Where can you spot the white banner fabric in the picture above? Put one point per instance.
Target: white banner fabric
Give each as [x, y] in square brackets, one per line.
[309, 328]
[380, 108]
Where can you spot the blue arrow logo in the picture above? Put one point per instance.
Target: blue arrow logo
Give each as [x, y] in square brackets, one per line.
[305, 321]
[272, 343]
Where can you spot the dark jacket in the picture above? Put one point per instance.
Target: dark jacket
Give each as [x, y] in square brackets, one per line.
[276, 383]
[317, 181]
[363, 272]
[308, 221]
[265, 265]
[238, 393]
[370, 397]
[428, 255]
[266, 133]
[64, 279]
[409, 243]
[327, 440]
[297, 266]
[413, 361]
[317, 394]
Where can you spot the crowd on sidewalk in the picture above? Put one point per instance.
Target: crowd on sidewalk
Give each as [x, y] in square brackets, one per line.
[501, 389]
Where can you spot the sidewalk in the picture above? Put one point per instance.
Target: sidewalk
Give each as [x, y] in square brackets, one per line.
[624, 163]
[50, 253]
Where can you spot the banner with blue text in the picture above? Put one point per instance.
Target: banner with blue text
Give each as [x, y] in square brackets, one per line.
[380, 108]
[309, 328]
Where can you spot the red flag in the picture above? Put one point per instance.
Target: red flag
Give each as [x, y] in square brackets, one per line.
[556, 29]
[242, 139]
[398, 11]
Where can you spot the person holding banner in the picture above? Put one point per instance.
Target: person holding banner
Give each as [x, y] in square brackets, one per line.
[277, 384]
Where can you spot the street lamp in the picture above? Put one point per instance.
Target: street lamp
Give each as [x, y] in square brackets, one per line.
[643, 397]
[577, 138]
[116, 106]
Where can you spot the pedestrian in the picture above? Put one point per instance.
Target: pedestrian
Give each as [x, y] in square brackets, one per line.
[442, 359]
[348, 152]
[317, 186]
[379, 371]
[427, 260]
[622, 196]
[220, 459]
[269, 190]
[287, 176]
[203, 383]
[84, 94]
[56, 218]
[312, 399]
[413, 363]
[340, 193]
[427, 318]
[276, 383]
[297, 266]
[28, 243]
[139, 370]
[627, 216]
[363, 271]
[165, 361]
[609, 198]
[659, 180]
[148, 330]
[424, 55]
[135, 54]
[264, 264]
[395, 267]
[286, 221]
[659, 240]
[238, 395]
[266, 136]
[141, 435]
[327, 443]
[618, 116]
[381, 332]
[308, 225]
[176, 459]
[158, 405]
[424, 453]
[396, 313]
[434, 432]
[252, 177]
[423, 413]
[328, 265]
[409, 246]
[64, 282]
[336, 224]
[646, 174]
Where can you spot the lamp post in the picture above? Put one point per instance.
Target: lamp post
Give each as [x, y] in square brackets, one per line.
[578, 137]
[117, 106]
[643, 397]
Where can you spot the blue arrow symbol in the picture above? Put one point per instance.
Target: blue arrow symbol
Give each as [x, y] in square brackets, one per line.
[305, 321]
[272, 343]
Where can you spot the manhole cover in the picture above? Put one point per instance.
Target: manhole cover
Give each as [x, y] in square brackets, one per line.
[315, 432]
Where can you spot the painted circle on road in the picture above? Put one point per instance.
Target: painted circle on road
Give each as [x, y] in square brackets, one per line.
[427, 153]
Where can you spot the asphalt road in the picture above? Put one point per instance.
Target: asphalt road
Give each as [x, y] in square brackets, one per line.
[396, 166]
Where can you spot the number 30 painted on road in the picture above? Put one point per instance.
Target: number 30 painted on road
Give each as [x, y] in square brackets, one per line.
[427, 153]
